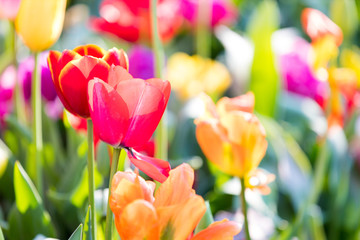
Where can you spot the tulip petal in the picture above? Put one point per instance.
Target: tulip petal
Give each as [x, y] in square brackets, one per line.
[163, 86]
[181, 218]
[138, 221]
[126, 187]
[177, 188]
[117, 57]
[146, 106]
[247, 136]
[90, 50]
[55, 67]
[221, 230]
[212, 143]
[155, 168]
[109, 112]
[243, 103]
[118, 74]
[74, 79]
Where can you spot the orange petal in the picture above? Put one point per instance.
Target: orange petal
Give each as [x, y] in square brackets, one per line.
[90, 50]
[243, 103]
[214, 144]
[182, 218]
[222, 230]
[126, 187]
[138, 221]
[177, 188]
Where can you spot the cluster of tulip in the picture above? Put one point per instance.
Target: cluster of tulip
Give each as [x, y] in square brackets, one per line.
[232, 139]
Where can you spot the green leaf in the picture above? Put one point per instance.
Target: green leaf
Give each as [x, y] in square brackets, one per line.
[25, 192]
[206, 219]
[77, 234]
[4, 157]
[1, 235]
[265, 82]
[87, 226]
[27, 218]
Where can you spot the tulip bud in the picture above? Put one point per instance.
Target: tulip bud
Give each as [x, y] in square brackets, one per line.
[40, 22]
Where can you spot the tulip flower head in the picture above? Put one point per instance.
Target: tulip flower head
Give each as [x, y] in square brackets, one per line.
[39, 22]
[9, 8]
[126, 111]
[130, 20]
[173, 213]
[191, 75]
[231, 136]
[71, 71]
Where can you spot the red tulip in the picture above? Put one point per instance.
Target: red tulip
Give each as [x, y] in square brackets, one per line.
[71, 71]
[126, 111]
[130, 20]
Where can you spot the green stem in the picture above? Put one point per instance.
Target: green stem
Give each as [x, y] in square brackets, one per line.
[244, 208]
[37, 125]
[18, 101]
[109, 214]
[161, 132]
[203, 34]
[91, 176]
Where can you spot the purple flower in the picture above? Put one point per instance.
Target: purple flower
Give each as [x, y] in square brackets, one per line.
[7, 85]
[141, 62]
[25, 72]
[223, 11]
[48, 91]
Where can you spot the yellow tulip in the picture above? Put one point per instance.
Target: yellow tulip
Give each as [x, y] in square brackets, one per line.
[191, 75]
[40, 22]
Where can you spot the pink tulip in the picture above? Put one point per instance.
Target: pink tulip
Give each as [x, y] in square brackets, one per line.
[126, 111]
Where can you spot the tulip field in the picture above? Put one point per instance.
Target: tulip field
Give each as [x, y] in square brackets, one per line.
[179, 119]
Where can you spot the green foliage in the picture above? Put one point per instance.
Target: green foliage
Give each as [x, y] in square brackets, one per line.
[77, 234]
[265, 82]
[27, 217]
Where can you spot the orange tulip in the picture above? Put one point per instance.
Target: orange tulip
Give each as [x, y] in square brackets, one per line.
[173, 214]
[231, 136]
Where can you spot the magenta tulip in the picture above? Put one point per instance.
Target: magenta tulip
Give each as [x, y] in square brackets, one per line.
[126, 111]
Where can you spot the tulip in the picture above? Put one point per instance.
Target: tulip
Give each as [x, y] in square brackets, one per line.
[300, 79]
[130, 20]
[231, 136]
[9, 8]
[173, 213]
[191, 75]
[40, 22]
[222, 12]
[317, 25]
[126, 111]
[53, 107]
[233, 139]
[83, 64]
